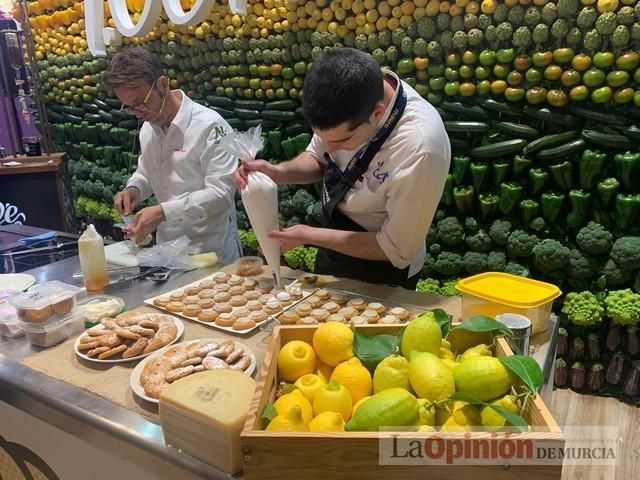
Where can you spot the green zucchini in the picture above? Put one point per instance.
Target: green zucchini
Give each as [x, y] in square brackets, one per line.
[549, 141]
[561, 151]
[107, 116]
[460, 143]
[120, 115]
[499, 149]
[632, 132]
[610, 140]
[296, 129]
[222, 102]
[92, 118]
[90, 108]
[249, 104]
[282, 105]
[54, 116]
[131, 124]
[236, 123]
[113, 102]
[600, 117]
[465, 126]
[254, 122]
[78, 112]
[56, 107]
[102, 105]
[246, 114]
[224, 113]
[547, 115]
[500, 107]
[300, 112]
[471, 111]
[72, 118]
[444, 115]
[278, 116]
[516, 130]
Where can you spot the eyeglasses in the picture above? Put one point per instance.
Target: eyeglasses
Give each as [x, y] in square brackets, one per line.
[141, 107]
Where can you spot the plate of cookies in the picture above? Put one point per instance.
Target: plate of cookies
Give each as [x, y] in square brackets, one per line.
[129, 336]
[229, 302]
[326, 305]
[164, 367]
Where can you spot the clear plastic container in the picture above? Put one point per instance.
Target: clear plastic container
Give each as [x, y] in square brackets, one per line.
[45, 302]
[97, 307]
[93, 260]
[9, 324]
[249, 266]
[493, 293]
[54, 332]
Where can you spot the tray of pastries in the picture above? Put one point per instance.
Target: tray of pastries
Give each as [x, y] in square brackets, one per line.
[158, 371]
[127, 337]
[229, 302]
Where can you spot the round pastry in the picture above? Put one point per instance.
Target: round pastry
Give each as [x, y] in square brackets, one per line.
[402, 313]
[348, 312]
[235, 280]
[178, 295]
[307, 321]
[331, 307]
[254, 305]
[371, 316]
[314, 301]
[162, 301]
[241, 312]
[207, 293]
[258, 316]
[323, 294]
[320, 314]
[208, 283]
[225, 320]
[192, 290]
[208, 316]
[223, 308]
[339, 299]
[250, 284]
[63, 307]
[175, 306]
[265, 286]
[221, 277]
[222, 297]
[357, 303]
[191, 300]
[237, 290]
[243, 323]
[389, 320]
[206, 303]
[238, 301]
[358, 320]
[336, 317]
[295, 292]
[35, 315]
[192, 310]
[303, 310]
[288, 318]
[284, 298]
[378, 307]
[265, 298]
[221, 287]
[252, 295]
[273, 307]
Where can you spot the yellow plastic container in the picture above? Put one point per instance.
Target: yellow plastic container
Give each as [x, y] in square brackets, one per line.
[493, 293]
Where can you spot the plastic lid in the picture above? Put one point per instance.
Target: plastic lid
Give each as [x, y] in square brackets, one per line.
[44, 294]
[510, 290]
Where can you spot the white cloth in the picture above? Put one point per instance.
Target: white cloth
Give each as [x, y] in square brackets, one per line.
[192, 179]
[401, 189]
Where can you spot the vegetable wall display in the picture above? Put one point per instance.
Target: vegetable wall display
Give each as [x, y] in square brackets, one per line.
[541, 101]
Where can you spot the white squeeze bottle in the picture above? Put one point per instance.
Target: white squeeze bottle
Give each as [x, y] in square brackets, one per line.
[92, 259]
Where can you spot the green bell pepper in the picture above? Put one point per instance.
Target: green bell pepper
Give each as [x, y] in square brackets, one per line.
[488, 206]
[607, 190]
[463, 198]
[289, 148]
[521, 165]
[302, 141]
[538, 180]
[447, 194]
[627, 210]
[628, 169]
[459, 169]
[500, 173]
[274, 137]
[551, 206]
[528, 211]
[580, 207]
[510, 195]
[563, 174]
[592, 168]
[479, 176]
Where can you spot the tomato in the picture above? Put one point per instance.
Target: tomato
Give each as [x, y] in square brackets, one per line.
[617, 78]
[579, 93]
[465, 71]
[533, 75]
[422, 75]
[281, 93]
[487, 58]
[514, 94]
[553, 72]
[636, 98]
[436, 69]
[570, 78]
[469, 57]
[515, 78]
[275, 70]
[300, 68]
[484, 87]
[505, 55]
[557, 97]
[522, 62]
[298, 82]
[498, 87]
[254, 83]
[593, 77]
[276, 82]
[248, 93]
[434, 98]
[453, 60]
[500, 70]
[452, 88]
[451, 74]
[253, 69]
[293, 93]
[437, 83]
[563, 55]
[263, 71]
[624, 95]
[602, 95]
[422, 89]
[467, 89]
[288, 73]
[421, 63]
[542, 59]
[628, 61]
[581, 62]
[536, 95]
[603, 59]
[482, 73]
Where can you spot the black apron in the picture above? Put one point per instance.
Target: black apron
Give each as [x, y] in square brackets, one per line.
[336, 185]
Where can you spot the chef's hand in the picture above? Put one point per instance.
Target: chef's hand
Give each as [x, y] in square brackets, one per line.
[144, 223]
[241, 175]
[292, 237]
[126, 200]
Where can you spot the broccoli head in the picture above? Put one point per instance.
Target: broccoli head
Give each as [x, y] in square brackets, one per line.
[514, 268]
[448, 264]
[496, 261]
[432, 235]
[580, 266]
[449, 289]
[626, 252]
[623, 306]
[301, 201]
[594, 239]
[428, 285]
[314, 214]
[429, 267]
[295, 257]
[499, 231]
[471, 225]
[479, 242]
[615, 275]
[521, 244]
[475, 262]
[450, 231]
[582, 308]
[550, 255]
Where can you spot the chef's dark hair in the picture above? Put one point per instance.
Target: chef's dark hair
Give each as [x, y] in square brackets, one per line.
[342, 85]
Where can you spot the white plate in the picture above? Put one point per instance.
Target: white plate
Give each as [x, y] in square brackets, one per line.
[134, 379]
[179, 326]
[16, 281]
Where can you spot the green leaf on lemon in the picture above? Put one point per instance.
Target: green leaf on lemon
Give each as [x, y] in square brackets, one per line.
[269, 412]
[514, 419]
[481, 323]
[372, 349]
[443, 319]
[526, 369]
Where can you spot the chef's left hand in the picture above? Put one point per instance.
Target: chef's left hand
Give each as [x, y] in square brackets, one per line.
[292, 237]
[144, 223]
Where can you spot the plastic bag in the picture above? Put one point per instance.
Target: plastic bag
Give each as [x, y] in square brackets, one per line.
[260, 196]
[171, 254]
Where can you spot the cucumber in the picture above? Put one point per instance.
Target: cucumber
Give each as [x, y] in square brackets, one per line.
[254, 122]
[296, 129]
[442, 113]
[236, 123]
[107, 117]
[516, 130]
[458, 142]
[575, 146]
[54, 116]
[465, 126]
[300, 112]
[278, 116]
[56, 107]
[90, 108]
[547, 115]
[246, 114]
[499, 149]
[250, 104]
[129, 124]
[549, 141]
[222, 102]
[500, 107]
[92, 118]
[472, 111]
[609, 140]
[113, 102]
[78, 112]
[224, 113]
[282, 105]
[120, 115]
[632, 132]
[102, 105]
[600, 117]
[72, 118]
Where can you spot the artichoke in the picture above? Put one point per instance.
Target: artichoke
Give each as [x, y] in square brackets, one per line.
[384, 38]
[567, 8]
[406, 46]
[379, 56]
[471, 21]
[434, 50]
[426, 28]
[625, 15]
[361, 42]
[516, 15]
[574, 37]
[420, 47]
[443, 20]
[587, 17]
[412, 30]
[500, 13]
[446, 39]
[457, 24]
[592, 40]
[549, 13]
[606, 23]
[484, 21]
[504, 31]
[372, 42]
[532, 17]
[459, 40]
[559, 29]
[491, 34]
[635, 31]
[522, 37]
[392, 54]
[621, 37]
[475, 37]
[540, 34]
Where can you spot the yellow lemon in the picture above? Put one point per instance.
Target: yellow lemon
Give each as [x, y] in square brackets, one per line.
[333, 343]
[481, 350]
[353, 375]
[323, 370]
[430, 378]
[457, 416]
[394, 407]
[288, 422]
[327, 422]
[422, 334]
[392, 372]
[492, 419]
[309, 385]
[484, 378]
[360, 402]
[450, 364]
[462, 340]
[333, 397]
[426, 412]
[296, 359]
[294, 399]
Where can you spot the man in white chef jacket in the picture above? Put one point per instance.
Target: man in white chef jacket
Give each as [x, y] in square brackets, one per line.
[180, 163]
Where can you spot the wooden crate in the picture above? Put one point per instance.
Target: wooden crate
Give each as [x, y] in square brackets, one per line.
[348, 455]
